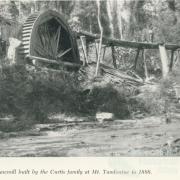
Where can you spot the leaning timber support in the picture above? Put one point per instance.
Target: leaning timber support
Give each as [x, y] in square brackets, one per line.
[136, 58]
[84, 47]
[104, 52]
[172, 60]
[113, 57]
[164, 60]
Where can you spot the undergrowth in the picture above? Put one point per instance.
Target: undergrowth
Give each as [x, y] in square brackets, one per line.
[30, 95]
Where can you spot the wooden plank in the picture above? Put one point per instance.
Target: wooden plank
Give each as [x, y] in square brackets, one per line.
[26, 31]
[26, 35]
[27, 25]
[27, 28]
[24, 51]
[30, 21]
[26, 38]
[25, 42]
[128, 44]
[24, 47]
[32, 17]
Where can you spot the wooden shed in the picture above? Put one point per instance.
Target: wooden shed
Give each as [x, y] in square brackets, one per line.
[47, 35]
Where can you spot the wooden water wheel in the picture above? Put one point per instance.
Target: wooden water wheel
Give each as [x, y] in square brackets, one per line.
[47, 37]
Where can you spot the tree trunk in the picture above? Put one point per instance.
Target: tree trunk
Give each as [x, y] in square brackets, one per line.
[110, 16]
[101, 36]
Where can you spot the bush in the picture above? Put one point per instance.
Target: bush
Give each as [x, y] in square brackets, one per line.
[106, 99]
[154, 99]
[31, 95]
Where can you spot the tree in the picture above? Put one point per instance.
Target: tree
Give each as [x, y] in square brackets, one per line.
[13, 10]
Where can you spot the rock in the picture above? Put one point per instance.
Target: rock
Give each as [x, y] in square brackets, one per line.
[104, 116]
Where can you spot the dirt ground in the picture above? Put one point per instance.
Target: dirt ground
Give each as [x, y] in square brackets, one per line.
[144, 137]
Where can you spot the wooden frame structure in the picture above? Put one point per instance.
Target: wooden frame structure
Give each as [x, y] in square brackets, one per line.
[47, 38]
[140, 46]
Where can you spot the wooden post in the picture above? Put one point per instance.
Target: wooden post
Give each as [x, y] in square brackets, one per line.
[104, 53]
[178, 56]
[145, 65]
[87, 49]
[83, 42]
[113, 57]
[136, 58]
[164, 60]
[172, 59]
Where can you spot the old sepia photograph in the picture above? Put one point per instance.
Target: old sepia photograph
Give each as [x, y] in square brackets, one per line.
[85, 78]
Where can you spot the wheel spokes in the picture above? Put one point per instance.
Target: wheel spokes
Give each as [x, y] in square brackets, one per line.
[62, 54]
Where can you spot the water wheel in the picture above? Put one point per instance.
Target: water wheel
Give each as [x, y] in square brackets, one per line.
[47, 35]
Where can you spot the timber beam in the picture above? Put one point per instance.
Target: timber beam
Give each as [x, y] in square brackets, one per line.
[128, 44]
[52, 61]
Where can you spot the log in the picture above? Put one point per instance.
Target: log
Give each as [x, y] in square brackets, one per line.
[128, 44]
[52, 61]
